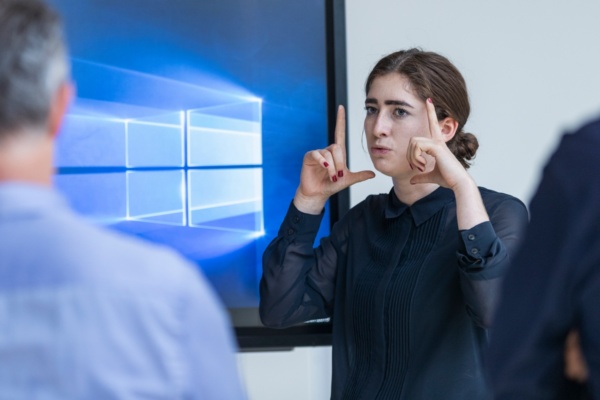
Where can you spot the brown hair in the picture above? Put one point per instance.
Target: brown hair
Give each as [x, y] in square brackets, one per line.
[434, 76]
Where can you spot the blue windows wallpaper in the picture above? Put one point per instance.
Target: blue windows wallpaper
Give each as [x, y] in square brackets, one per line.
[190, 123]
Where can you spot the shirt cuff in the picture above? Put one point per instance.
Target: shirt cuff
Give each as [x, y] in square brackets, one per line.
[299, 225]
[478, 241]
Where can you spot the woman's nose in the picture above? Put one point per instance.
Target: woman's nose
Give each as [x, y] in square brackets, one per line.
[382, 125]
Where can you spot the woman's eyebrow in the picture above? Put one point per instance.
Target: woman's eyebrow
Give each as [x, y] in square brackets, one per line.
[403, 103]
[397, 103]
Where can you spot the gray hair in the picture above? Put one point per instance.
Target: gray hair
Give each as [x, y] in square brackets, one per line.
[33, 63]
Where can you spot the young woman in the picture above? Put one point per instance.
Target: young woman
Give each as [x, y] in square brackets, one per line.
[409, 278]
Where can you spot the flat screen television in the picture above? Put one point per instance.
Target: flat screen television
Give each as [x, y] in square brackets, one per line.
[189, 126]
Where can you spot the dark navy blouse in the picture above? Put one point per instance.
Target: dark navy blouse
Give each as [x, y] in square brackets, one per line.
[410, 296]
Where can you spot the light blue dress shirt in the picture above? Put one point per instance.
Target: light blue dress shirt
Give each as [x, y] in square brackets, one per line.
[86, 313]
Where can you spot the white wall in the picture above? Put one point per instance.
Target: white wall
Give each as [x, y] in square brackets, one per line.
[532, 69]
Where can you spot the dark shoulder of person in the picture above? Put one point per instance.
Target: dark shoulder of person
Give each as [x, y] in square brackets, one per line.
[584, 141]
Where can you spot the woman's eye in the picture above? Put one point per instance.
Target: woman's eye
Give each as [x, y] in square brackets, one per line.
[400, 112]
[370, 110]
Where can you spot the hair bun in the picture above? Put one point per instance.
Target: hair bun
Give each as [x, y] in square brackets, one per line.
[464, 146]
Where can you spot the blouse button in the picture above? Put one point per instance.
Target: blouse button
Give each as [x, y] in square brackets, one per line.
[296, 219]
[290, 231]
[471, 236]
[474, 251]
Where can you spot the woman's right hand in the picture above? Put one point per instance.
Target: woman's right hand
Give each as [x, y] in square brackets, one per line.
[324, 172]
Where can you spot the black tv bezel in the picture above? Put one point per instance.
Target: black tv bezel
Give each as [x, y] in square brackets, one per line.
[313, 334]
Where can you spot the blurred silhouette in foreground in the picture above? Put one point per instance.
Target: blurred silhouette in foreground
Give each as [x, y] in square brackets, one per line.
[545, 341]
[86, 313]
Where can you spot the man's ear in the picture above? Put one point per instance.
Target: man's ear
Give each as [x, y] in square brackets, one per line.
[448, 126]
[58, 108]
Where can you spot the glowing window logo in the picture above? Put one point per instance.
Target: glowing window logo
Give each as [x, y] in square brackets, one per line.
[199, 167]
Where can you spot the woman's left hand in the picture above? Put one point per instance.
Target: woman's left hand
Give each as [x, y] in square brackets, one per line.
[447, 171]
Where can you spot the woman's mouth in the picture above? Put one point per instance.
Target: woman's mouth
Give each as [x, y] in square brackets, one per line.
[380, 150]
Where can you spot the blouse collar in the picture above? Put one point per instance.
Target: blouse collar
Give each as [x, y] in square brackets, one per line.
[422, 209]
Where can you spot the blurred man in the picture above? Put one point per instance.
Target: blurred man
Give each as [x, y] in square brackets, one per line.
[86, 313]
[551, 294]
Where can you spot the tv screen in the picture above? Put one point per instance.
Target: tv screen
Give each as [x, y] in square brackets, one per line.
[189, 126]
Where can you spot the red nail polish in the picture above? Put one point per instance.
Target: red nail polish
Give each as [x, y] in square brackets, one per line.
[334, 178]
[411, 167]
[429, 100]
[340, 174]
[325, 164]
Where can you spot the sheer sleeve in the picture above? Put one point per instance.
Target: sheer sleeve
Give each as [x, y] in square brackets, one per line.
[485, 254]
[298, 280]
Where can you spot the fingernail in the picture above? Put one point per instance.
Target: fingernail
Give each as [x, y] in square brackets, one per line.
[325, 164]
[429, 100]
[420, 169]
[334, 178]
[340, 174]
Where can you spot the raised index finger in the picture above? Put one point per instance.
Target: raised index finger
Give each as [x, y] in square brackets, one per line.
[434, 125]
[340, 128]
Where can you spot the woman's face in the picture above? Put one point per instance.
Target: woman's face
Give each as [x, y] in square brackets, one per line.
[394, 115]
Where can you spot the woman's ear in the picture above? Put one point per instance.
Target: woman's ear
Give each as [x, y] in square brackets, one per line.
[448, 126]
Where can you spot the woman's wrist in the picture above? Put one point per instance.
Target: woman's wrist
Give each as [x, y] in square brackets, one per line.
[309, 204]
[466, 186]
[470, 210]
